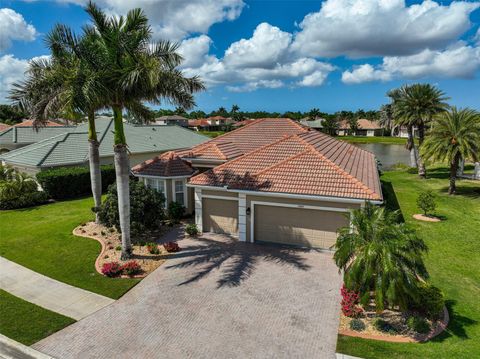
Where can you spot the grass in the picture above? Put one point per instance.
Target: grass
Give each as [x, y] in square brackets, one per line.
[40, 238]
[212, 134]
[27, 323]
[453, 262]
[375, 139]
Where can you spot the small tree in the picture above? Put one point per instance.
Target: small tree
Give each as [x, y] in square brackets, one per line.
[426, 202]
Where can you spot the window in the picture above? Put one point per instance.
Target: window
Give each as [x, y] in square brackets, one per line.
[157, 184]
[179, 192]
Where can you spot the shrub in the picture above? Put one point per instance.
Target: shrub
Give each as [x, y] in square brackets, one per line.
[71, 182]
[153, 248]
[191, 229]
[384, 326]
[131, 268]
[111, 269]
[426, 202]
[146, 208]
[430, 301]
[171, 247]
[175, 211]
[118, 248]
[418, 324]
[18, 190]
[357, 324]
[350, 301]
[412, 170]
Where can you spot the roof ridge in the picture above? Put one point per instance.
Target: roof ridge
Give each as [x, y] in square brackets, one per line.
[52, 148]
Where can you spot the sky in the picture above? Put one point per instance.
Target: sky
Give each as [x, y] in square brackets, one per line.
[284, 55]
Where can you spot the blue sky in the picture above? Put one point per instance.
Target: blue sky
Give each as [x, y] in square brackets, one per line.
[285, 55]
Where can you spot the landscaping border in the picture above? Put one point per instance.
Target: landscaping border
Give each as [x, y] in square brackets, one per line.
[439, 328]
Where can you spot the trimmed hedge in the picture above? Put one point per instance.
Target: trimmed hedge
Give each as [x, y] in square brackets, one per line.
[71, 182]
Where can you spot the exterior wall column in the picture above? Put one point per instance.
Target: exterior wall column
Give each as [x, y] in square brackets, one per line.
[198, 209]
[242, 217]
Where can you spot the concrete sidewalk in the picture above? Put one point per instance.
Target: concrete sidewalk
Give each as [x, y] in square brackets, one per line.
[48, 293]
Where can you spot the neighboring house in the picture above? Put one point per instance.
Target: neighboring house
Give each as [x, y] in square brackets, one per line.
[70, 148]
[24, 134]
[4, 126]
[271, 180]
[172, 120]
[365, 128]
[215, 123]
[316, 124]
[401, 131]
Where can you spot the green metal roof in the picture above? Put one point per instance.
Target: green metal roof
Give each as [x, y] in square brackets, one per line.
[71, 147]
[28, 134]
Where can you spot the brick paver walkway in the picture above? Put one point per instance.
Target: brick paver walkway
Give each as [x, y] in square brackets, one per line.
[217, 298]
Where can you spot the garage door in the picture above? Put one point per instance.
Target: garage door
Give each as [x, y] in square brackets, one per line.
[220, 216]
[297, 226]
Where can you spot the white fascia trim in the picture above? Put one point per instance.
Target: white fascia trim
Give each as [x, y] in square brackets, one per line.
[288, 195]
[220, 197]
[162, 177]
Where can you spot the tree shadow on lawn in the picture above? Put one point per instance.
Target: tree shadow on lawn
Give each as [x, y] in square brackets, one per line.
[470, 192]
[457, 324]
[236, 260]
[391, 200]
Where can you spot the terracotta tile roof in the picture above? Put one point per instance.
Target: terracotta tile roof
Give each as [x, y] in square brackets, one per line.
[29, 123]
[363, 124]
[246, 139]
[198, 123]
[309, 163]
[4, 126]
[168, 164]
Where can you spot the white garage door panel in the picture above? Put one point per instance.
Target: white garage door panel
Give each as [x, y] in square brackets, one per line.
[298, 226]
[220, 216]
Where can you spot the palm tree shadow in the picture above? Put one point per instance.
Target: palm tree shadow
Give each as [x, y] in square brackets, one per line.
[471, 192]
[457, 324]
[235, 260]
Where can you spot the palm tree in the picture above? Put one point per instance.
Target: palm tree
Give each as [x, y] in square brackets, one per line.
[386, 117]
[454, 136]
[313, 114]
[64, 85]
[380, 255]
[415, 105]
[133, 69]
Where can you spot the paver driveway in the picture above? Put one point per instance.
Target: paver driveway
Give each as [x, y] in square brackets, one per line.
[218, 298]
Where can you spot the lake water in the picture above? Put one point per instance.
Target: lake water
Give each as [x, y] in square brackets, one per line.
[387, 154]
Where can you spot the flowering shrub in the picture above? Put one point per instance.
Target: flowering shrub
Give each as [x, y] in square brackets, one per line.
[111, 269]
[349, 303]
[171, 247]
[131, 268]
[153, 248]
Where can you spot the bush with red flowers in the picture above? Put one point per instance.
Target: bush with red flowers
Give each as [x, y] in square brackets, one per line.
[349, 304]
[112, 269]
[171, 247]
[131, 268]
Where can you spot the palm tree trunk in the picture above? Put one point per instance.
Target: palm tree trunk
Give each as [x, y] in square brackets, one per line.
[461, 167]
[411, 147]
[122, 170]
[94, 162]
[453, 174]
[422, 171]
[476, 174]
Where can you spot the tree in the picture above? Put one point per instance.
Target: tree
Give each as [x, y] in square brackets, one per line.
[235, 113]
[426, 202]
[386, 117]
[330, 126]
[134, 69]
[11, 114]
[415, 105]
[353, 125]
[313, 114]
[380, 255]
[455, 135]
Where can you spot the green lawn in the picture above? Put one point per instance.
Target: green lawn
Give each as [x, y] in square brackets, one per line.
[379, 139]
[453, 262]
[40, 238]
[211, 134]
[27, 323]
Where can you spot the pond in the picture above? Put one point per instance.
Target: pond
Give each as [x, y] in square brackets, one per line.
[388, 154]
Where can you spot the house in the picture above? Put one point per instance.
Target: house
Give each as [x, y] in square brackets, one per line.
[271, 180]
[215, 123]
[401, 131]
[69, 147]
[365, 128]
[172, 120]
[316, 124]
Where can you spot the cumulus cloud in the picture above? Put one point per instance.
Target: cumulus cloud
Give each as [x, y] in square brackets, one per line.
[14, 27]
[264, 60]
[381, 27]
[457, 61]
[175, 19]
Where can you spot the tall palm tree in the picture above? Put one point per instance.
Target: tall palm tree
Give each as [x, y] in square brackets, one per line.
[380, 255]
[62, 85]
[313, 114]
[454, 136]
[415, 105]
[386, 117]
[133, 69]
